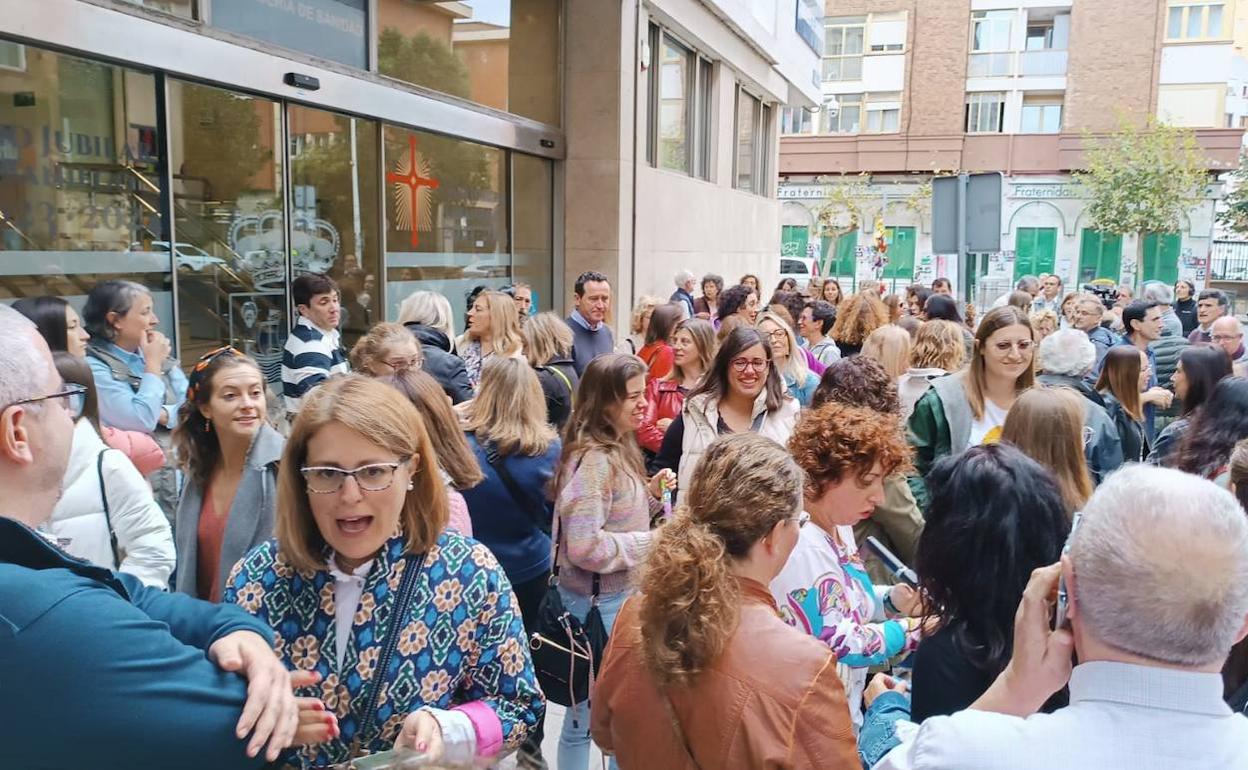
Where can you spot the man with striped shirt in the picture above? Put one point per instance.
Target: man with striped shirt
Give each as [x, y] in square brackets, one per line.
[314, 348]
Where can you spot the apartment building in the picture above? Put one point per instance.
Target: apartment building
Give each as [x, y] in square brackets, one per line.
[212, 150]
[912, 88]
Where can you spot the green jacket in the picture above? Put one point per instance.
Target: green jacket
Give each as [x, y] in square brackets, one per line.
[941, 421]
[897, 523]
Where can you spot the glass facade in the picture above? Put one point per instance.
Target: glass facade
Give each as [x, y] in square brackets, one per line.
[328, 29]
[500, 53]
[259, 191]
[79, 180]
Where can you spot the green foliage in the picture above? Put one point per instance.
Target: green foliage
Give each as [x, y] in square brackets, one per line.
[423, 61]
[1142, 181]
[223, 141]
[1235, 216]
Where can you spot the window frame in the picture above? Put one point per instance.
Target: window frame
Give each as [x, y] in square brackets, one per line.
[761, 117]
[699, 105]
[841, 26]
[20, 48]
[858, 102]
[881, 104]
[977, 105]
[1185, 10]
[1042, 101]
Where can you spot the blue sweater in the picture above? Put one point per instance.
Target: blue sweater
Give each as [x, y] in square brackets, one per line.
[101, 671]
[502, 524]
[586, 344]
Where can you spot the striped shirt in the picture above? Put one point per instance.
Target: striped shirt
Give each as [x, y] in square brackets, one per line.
[311, 356]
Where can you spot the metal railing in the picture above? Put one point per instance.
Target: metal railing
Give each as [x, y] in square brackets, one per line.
[1228, 261]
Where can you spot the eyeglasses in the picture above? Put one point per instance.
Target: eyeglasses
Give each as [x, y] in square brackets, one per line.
[802, 519]
[328, 479]
[405, 364]
[777, 335]
[757, 364]
[1225, 337]
[74, 395]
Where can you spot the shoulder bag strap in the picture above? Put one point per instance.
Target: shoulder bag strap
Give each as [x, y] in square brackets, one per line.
[498, 463]
[680, 733]
[108, 517]
[402, 605]
[554, 562]
[556, 371]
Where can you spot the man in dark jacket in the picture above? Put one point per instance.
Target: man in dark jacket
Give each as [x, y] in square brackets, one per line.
[156, 679]
[441, 364]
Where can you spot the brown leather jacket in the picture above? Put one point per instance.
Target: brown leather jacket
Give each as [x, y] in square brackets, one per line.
[771, 700]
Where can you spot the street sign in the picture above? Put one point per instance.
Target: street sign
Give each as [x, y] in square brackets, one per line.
[966, 218]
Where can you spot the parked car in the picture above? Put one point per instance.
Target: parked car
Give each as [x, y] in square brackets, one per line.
[800, 269]
[187, 255]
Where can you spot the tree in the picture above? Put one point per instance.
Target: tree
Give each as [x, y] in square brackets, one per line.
[1235, 215]
[1141, 181]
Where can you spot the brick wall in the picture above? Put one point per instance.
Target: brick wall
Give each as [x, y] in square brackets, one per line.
[940, 33]
[1115, 55]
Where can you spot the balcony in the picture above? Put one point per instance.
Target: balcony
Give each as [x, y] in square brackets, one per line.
[1045, 62]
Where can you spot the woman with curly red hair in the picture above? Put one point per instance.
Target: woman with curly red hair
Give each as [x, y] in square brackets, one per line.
[846, 452]
[856, 318]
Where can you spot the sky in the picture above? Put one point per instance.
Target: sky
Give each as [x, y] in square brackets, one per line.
[491, 11]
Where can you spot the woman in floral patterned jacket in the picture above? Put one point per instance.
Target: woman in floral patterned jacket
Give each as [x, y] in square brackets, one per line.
[413, 631]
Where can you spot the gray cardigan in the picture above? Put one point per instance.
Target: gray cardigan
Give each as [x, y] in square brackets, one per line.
[250, 520]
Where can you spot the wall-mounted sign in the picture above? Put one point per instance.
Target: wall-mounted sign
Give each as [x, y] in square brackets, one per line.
[330, 29]
[1046, 191]
[801, 192]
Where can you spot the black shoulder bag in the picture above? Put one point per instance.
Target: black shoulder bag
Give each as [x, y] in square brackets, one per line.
[108, 517]
[536, 513]
[566, 652]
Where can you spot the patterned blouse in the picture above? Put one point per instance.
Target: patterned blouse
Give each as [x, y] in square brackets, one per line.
[462, 646]
[825, 591]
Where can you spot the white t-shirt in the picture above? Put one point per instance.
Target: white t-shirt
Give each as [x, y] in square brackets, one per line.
[987, 430]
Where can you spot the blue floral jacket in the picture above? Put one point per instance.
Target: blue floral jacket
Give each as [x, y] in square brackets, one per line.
[463, 642]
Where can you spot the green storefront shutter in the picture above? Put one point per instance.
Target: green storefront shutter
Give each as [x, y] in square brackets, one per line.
[1035, 251]
[1100, 256]
[793, 240]
[901, 244]
[847, 254]
[1161, 257]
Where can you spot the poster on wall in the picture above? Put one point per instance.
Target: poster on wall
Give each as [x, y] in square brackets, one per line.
[810, 23]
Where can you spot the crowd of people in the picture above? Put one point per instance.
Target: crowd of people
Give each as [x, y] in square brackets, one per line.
[810, 529]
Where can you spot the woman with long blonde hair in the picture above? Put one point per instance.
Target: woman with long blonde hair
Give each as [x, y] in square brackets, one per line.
[890, 345]
[493, 330]
[856, 318]
[1047, 424]
[787, 356]
[511, 509]
[705, 614]
[548, 349]
[693, 349]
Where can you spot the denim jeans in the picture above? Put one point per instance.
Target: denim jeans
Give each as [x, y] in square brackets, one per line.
[574, 738]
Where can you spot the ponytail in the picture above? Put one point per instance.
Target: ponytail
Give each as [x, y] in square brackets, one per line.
[690, 600]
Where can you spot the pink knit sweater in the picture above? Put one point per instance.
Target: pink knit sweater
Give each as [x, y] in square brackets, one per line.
[604, 525]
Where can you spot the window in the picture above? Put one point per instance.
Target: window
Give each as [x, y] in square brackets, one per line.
[883, 114]
[843, 114]
[1195, 22]
[796, 120]
[1042, 114]
[750, 162]
[985, 113]
[12, 56]
[679, 135]
[1039, 36]
[886, 32]
[843, 60]
[990, 44]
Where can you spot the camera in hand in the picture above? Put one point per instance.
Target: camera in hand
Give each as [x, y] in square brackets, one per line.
[1107, 294]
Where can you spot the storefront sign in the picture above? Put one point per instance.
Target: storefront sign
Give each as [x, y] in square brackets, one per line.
[801, 192]
[1046, 191]
[331, 29]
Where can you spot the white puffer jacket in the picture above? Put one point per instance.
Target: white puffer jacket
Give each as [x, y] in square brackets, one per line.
[701, 417]
[143, 532]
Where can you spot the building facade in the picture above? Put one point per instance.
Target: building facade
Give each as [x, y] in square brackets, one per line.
[212, 150]
[913, 88]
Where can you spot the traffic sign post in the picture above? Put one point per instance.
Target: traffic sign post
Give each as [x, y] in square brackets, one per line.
[966, 220]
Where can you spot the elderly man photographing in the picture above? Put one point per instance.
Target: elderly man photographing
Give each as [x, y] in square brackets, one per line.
[1157, 580]
[97, 669]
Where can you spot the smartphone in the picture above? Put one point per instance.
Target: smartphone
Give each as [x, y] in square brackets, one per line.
[894, 565]
[1059, 616]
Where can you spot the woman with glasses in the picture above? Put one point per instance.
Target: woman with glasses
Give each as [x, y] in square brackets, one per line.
[969, 408]
[691, 640]
[106, 514]
[412, 630]
[741, 393]
[229, 454]
[824, 590]
[388, 348]
[788, 358]
[1047, 424]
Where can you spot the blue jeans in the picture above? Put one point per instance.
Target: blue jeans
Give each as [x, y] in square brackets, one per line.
[574, 738]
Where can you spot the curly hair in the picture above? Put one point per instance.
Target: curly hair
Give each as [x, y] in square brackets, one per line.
[733, 299]
[857, 381]
[857, 317]
[744, 486]
[837, 440]
[939, 345]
